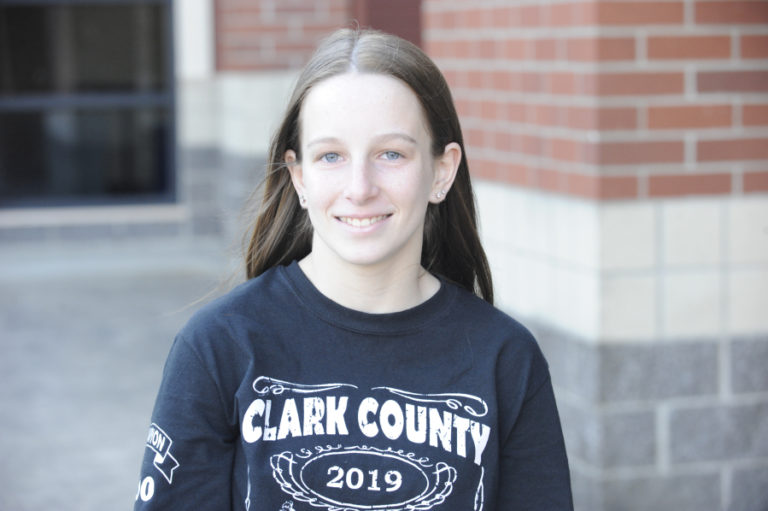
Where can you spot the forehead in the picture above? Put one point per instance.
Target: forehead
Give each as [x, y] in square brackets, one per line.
[358, 104]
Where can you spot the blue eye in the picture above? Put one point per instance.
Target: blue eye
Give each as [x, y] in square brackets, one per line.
[392, 155]
[330, 157]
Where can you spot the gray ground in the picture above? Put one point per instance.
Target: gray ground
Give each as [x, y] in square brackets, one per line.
[84, 332]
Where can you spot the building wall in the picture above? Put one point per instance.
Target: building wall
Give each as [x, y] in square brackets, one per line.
[273, 34]
[610, 99]
[622, 151]
[282, 34]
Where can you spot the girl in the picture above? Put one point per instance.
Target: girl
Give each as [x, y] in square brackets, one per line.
[362, 365]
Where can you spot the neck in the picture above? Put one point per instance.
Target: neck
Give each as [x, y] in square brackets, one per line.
[375, 289]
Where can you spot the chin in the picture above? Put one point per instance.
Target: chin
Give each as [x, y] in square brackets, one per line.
[364, 259]
[367, 257]
[370, 253]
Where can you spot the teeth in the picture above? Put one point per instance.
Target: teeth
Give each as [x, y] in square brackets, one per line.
[362, 222]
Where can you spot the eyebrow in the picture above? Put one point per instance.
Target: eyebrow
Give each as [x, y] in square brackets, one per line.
[323, 140]
[403, 136]
[380, 138]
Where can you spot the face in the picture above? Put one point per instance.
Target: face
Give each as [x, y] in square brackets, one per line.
[367, 172]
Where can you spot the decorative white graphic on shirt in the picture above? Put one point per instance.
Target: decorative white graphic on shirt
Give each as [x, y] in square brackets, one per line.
[331, 478]
[453, 401]
[264, 385]
[365, 477]
[159, 442]
[480, 493]
[248, 491]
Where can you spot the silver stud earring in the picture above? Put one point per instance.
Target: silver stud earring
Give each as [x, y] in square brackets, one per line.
[302, 199]
[440, 194]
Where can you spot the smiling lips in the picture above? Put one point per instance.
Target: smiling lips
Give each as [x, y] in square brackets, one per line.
[362, 222]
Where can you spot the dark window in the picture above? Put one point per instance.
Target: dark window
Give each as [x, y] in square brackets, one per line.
[86, 101]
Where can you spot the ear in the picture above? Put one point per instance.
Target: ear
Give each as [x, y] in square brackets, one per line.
[446, 167]
[294, 167]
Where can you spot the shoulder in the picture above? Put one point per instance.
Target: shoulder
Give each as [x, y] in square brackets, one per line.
[223, 336]
[505, 349]
[496, 334]
[243, 305]
[244, 300]
[493, 323]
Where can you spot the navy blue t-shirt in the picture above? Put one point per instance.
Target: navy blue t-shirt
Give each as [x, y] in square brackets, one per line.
[276, 398]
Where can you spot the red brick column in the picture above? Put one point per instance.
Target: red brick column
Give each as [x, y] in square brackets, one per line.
[610, 99]
[273, 34]
[254, 35]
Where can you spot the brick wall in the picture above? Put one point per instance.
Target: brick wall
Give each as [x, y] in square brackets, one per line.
[282, 34]
[401, 17]
[621, 151]
[610, 99]
[272, 34]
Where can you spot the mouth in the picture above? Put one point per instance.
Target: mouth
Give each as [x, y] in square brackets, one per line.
[362, 222]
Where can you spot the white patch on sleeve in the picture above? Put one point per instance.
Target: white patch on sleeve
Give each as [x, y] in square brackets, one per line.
[159, 442]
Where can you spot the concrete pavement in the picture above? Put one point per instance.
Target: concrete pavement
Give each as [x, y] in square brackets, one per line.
[84, 331]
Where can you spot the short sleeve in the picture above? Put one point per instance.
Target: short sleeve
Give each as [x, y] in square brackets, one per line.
[533, 468]
[190, 443]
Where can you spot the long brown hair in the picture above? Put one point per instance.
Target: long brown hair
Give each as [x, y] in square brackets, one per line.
[282, 232]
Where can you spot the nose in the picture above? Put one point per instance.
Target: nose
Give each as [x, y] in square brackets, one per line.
[361, 183]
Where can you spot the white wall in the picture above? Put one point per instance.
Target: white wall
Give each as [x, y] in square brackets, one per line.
[193, 31]
[618, 271]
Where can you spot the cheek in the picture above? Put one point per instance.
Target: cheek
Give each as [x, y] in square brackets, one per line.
[323, 194]
[317, 201]
[320, 188]
[415, 191]
[425, 181]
